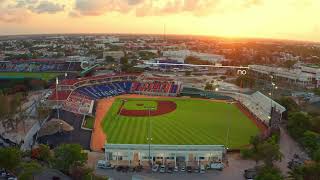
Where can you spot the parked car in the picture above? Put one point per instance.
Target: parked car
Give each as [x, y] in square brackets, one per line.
[217, 166]
[202, 169]
[12, 177]
[119, 168]
[155, 168]
[250, 174]
[104, 165]
[196, 169]
[176, 169]
[183, 169]
[170, 169]
[139, 168]
[189, 169]
[3, 173]
[162, 169]
[132, 169]
[125, 169]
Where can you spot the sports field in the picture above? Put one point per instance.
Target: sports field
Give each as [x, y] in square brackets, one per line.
[194, 121]
[43, 75]
[140, 105]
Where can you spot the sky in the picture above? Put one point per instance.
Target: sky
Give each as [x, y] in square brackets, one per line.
[276, 19]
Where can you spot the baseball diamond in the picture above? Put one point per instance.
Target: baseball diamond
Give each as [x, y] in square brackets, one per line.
[191, 122]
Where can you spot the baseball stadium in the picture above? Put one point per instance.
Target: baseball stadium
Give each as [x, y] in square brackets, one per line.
[142, 120]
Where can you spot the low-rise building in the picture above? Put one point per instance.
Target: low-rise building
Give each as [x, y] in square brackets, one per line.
[301, 75]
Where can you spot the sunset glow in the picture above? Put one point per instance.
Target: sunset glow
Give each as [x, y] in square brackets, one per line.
[286, 19]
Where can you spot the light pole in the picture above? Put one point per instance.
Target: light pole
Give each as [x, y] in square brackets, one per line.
[57, 98]
[149, 132]
[228, 130]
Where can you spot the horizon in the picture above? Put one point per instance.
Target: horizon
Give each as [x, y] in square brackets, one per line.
[167, 35]
[286, 20]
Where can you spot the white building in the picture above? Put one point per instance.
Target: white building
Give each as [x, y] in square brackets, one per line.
[307, 76]
[115, 54]
[132, 154]
[180, 56]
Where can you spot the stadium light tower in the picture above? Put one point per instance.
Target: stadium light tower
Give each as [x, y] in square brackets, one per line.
[228, 130]
[273, 87]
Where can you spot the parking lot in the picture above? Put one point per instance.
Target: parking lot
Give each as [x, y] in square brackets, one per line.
[233, 172]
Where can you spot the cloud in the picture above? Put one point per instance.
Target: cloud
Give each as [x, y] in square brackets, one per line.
[13, 15]
[9, 13]
[145, 7]
[18, 11]
[40, 6]
[47, 7]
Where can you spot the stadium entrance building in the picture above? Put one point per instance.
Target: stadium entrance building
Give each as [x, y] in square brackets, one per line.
[138, 154]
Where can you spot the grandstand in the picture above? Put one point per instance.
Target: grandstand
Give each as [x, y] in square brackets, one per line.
[258, 104]
[77, 95]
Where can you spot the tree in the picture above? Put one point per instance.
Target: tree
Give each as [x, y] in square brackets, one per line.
[289, 104]
[298, 123]
[9, 158]
[310, 140]
[269, 173]
[306, 172]
[125, 65]
[289, 64]
[296, 173]
[316, 124]
[42, 153]
[27, 170]
[79, 172]
[109, 59]
[316, 155]
[195, 60]
[269, 152]
[208, 87]
[245, 81]
[68, 155]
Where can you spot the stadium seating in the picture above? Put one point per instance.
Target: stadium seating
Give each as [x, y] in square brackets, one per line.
[78, 94]
[105, 90]
[78, 103]
[154, 87]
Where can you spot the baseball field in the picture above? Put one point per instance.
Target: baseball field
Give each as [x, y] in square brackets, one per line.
[43, 75]
[180, 121]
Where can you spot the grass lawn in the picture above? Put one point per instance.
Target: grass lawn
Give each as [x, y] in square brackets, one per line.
[193, 122]
[89, 122]
[139, 105]
[43, 75]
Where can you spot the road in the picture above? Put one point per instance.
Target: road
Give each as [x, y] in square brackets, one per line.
[288, 148]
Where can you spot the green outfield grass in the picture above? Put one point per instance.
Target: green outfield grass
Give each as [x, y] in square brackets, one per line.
[140, 105]
[193, 122]
[43, 75]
